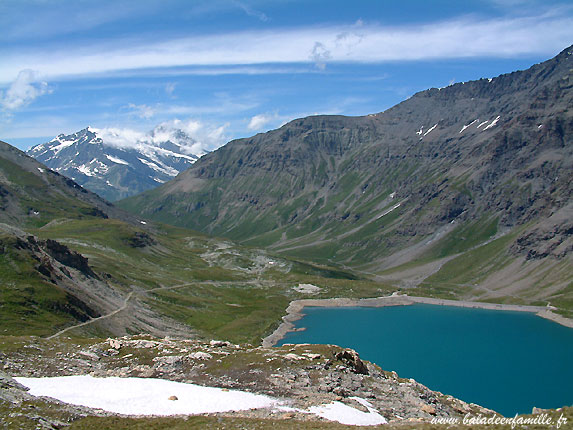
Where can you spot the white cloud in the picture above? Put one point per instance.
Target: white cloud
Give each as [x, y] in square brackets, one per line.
[461, 38]
[24, 90]
[259, 121]
[203, 136]
[122, 137]
[142, 111]
[207, 136]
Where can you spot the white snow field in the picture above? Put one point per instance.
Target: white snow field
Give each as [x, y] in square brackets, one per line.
[143, 396]
[149, 396]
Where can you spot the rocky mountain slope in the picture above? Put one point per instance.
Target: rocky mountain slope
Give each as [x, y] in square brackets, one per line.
[468, 185]
[118, 170]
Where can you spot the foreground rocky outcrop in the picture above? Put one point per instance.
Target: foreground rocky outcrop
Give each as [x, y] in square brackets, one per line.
[302, 375]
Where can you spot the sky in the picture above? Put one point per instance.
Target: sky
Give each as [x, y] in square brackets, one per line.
[225, 69]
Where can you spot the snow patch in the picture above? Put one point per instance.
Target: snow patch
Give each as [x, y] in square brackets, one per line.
[144, 396]
[56, 149]
[85, 170]
[307, 289]
[434, 126]
[494, 122]
[386, 212]
[466, 126]
[41, 170]
[168, 153]
[116, 160]
[344, 414]
[169, 171]
[419, 132]
[150, 396]
[483, 123]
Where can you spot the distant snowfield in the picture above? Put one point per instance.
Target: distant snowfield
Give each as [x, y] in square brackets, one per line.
[148, 396]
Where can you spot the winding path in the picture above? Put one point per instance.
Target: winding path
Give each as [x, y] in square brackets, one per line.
[112, 313]
[130, 295]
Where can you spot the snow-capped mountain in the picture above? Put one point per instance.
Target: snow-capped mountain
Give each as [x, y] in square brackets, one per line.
[115, 165]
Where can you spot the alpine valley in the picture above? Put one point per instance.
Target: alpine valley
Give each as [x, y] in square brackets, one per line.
[118, 166]
[460, 193]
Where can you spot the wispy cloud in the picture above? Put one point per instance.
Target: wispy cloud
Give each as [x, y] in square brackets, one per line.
[461, 38]
[261, 16]
[215, 70]
[170, 89]
[23, 90]
[320, 55]
[141, 111]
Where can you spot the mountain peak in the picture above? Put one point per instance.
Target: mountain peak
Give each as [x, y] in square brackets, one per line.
[117, 163]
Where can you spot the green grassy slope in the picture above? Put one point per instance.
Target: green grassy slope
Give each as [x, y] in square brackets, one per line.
[211, 285]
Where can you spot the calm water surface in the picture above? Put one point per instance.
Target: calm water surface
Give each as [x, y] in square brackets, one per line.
[506, 361]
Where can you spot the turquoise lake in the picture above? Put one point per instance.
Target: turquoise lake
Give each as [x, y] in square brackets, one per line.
[505, 361]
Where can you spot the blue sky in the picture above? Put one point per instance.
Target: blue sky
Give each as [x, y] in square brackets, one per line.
[222, 69]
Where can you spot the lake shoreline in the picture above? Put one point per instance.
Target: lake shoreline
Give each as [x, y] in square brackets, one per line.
[294, 311]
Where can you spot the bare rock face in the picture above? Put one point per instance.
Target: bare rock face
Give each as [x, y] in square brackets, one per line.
[69, 258]
[352, 359]
[10, 390]
[549, 239]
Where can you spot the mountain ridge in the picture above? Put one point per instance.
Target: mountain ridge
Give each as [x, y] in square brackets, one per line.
[445, 172]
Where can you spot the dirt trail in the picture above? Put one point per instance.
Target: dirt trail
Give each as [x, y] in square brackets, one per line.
[144, 292]
[121, 308]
